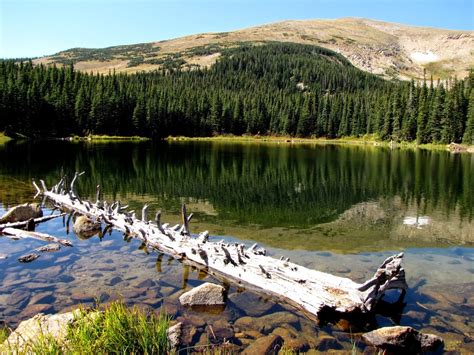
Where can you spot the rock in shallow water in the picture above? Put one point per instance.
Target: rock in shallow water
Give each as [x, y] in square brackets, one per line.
[259, 305]
[402, 339]
[266, 323]
[28, 258]
[174, 335]
[22, 213]
[207, 294]
[85, 227]
[270, 344]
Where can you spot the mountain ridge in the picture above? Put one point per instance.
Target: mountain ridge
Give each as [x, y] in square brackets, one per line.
[384, 48]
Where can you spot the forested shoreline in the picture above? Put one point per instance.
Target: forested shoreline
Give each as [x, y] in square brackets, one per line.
[275, 89]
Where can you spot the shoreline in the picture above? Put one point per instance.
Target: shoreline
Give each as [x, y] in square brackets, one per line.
[325, 141]
[369, 141]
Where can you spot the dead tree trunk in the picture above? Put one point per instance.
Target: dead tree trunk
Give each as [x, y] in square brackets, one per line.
[310, 290]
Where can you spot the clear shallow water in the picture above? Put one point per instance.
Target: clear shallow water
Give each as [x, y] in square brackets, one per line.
[336, 209]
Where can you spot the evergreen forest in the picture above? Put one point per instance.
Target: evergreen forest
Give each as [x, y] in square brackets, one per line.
[271, 89]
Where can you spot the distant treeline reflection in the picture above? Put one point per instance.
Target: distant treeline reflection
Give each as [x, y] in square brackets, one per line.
[271, 185]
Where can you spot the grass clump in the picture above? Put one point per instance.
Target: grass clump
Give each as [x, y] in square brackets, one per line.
[114, 330]
[119, 329]
[3, 334]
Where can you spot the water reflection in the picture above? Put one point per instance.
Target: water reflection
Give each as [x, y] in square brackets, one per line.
[296, 195]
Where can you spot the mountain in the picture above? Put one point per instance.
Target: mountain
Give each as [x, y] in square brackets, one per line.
[386, 49]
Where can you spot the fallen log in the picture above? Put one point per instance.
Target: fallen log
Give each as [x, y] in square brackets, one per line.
[14, 233]
[27, 222]
[311, 290]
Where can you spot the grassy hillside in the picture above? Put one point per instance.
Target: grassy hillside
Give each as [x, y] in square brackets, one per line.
[387, 49]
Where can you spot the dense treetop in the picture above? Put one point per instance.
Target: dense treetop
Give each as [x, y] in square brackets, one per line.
[276, 88]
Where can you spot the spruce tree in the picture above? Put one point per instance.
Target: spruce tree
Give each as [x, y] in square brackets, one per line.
[468, 137]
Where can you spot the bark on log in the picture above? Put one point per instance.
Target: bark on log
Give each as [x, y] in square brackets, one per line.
[311, 290]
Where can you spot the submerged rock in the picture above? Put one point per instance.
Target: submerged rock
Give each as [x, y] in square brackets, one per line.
[266, 323]
[402, 339]
[207, 294]
[292, 340]
[22, 213]
[28, 258]
[85, 227]
[270, 344]
[260, 305]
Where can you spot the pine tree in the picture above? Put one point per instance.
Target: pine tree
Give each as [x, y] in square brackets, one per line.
[409, 125]
[81, 110]
[468, 137]
[436, 115]
[139, 117]
[421, 132]
[447, 129]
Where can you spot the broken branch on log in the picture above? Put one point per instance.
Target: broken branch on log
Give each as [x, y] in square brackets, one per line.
[21, 234]
[308, 289]
[35, 221]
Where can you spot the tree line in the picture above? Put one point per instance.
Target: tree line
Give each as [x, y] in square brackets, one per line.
[275, 89]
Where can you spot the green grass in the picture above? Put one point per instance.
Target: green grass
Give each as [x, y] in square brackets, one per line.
[116, 329]
[368, 140]
[105, 138]
[3, 334]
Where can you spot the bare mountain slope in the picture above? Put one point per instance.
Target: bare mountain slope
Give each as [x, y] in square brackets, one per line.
[388, 49]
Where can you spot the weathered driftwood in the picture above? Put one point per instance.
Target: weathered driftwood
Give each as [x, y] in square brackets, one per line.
[312, 290]
[14, 233]
[27, 222]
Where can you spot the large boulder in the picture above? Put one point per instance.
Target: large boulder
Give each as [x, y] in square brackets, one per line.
[85, 227]
[401, 339]
[207, 294]
[22, 213]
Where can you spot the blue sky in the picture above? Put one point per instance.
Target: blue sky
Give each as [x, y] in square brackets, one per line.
[39, 27]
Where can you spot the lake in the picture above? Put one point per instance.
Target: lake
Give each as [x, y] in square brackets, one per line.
[338, 209]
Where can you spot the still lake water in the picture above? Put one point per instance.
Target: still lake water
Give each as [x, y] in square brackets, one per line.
[337, 209]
